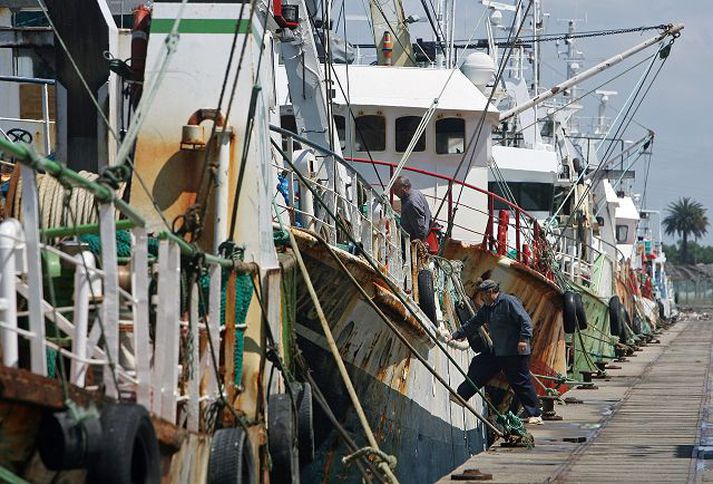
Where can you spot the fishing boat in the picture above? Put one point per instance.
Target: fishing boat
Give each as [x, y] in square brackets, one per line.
[230, 278]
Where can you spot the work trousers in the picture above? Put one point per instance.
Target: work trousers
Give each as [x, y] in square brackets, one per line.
[517, 371]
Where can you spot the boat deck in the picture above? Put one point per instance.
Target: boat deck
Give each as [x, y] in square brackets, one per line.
[651, 421]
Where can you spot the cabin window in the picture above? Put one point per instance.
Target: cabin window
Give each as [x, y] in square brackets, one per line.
[622, 233]
[406, 127]
[450, 136]
[341, 124]
[370, 133]
[530, 196]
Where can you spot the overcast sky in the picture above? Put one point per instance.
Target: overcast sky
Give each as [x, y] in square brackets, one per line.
[678, 107]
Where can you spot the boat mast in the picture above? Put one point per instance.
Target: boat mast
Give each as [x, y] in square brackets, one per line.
[602, 66]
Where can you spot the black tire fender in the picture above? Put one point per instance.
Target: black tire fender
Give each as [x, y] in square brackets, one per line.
[426, 294]
[231, 460]
[569, 313]
[579, 310]
[305, 424]
[129, 448]
[615, 316]
[282, 435]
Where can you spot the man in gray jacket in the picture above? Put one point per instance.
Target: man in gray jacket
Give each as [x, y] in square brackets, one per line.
[511, 331]
[415, 212]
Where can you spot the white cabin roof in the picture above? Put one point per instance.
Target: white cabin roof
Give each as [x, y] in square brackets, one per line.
[626, 209]
[406, 87]
[526, 165]
[414, 87]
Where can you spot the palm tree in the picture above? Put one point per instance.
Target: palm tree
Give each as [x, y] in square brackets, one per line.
[686, 217]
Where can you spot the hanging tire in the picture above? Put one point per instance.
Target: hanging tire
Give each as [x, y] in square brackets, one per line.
[305, 424]
[231, 460]
[129, 448]
[579, 310]
[569, 314]
[426, 294]
[615, 316]
[282, 439]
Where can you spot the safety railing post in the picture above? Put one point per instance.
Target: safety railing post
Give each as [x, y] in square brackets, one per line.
[165, 374]
[214, 327]
[140, 309]
[30, 212]
[491, 215]
[450, 203]
[517, 236]
[367, 232]
[46, 119]
[9, 232]
[110, 304]
[82, 296]
[193, 362]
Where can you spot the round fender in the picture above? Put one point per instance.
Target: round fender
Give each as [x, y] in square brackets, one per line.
[129, 448]
[615, 316]
[569, 313]
[67, 443]
[426, 294]
[230, 460]
[579, 310]
[282, 434]
[305, 424]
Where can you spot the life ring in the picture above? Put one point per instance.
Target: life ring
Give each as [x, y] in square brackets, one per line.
[426, 294]
[282, 435]
[615, 316]
[305, 424]
[581, 313]
[230, 460]
[129, 448]
[569, 313]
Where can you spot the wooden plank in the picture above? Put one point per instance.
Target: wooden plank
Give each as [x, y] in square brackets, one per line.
[649, 432]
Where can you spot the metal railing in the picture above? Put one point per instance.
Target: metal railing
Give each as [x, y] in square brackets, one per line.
[45, 121]
[509, 231]
[367, 213]
[154, 375]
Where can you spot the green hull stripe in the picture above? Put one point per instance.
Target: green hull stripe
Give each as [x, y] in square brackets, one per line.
[200, 26]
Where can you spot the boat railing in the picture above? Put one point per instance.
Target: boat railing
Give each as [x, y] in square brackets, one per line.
[21, 129]
[509, 230]
[578, 260]
[160, 365]
[367, 214]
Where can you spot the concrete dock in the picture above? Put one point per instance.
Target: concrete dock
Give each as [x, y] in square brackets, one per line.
[650, 421]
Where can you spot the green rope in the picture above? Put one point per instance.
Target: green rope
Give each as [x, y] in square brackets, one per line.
[123, 243]
[513, 426]
[10, 477]
[51, 362]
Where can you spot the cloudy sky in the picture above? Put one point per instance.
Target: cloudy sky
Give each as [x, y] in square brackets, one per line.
[678, 107]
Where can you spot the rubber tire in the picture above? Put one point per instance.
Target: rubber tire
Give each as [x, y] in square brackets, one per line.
[579, 310]
[426, 295]
[615, 316]
[281, 434]
[230, 460]
[129, 447]
[305, 424]
[569, 312]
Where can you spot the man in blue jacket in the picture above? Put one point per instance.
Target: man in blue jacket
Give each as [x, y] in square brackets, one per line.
[511, 331]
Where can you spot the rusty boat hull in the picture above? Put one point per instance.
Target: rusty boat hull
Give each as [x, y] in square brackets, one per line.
[408, 410]
[541, 298]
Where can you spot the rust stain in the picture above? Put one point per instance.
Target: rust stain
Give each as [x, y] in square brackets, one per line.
[540, 297]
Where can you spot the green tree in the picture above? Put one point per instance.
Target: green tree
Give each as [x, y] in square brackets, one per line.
[687, 218]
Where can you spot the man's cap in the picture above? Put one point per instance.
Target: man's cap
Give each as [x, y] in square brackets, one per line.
[488, 285]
